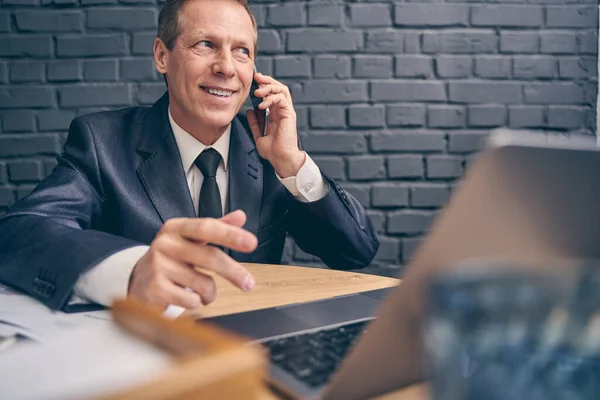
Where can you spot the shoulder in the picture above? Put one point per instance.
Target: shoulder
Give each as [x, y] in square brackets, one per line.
[104, 120]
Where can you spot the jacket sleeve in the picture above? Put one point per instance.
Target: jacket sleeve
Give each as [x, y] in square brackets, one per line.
[335, 228]
[46, 238]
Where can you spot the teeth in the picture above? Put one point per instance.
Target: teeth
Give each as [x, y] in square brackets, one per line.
[217, 92]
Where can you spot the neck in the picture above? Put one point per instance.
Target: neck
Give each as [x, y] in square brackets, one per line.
[207, 135]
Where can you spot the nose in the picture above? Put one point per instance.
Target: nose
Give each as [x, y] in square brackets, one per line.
[223, 64]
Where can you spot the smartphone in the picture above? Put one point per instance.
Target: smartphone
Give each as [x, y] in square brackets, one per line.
[261, 115]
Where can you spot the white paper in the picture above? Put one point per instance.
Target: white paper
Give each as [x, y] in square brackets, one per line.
[97, 360]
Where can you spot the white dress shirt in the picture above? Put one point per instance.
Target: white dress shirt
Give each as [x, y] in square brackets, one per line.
[109, 279]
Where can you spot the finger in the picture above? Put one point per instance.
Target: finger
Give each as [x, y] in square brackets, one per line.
[217, 232]
[270, 89]
[208, 257]
[277, 99]
[183, 275]
[284, 88]
[254, 127]
[166, 292]
[235, 218]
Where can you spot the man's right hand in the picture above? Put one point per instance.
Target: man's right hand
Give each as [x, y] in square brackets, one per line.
[168, 267]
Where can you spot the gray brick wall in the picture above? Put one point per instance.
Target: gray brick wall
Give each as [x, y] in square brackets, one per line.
[393, 98]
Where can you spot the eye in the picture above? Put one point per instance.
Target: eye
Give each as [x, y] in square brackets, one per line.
[243, 50]
[205, 43]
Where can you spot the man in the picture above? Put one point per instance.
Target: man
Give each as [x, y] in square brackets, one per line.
[144, 199]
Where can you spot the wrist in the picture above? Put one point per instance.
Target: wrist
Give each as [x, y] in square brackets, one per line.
[290, 164]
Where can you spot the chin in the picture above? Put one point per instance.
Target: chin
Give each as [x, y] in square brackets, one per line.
[218, 118]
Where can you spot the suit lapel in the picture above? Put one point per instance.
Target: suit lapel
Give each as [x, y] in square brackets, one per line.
[161, 172]
[245, 176]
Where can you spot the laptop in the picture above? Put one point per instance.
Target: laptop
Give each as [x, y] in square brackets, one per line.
[527, 198]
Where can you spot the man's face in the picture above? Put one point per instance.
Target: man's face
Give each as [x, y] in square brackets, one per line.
[209, 71]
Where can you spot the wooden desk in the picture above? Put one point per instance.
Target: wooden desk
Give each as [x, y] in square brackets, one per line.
[278, 285]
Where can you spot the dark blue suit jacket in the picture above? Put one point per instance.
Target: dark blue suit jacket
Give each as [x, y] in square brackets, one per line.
[120, 178]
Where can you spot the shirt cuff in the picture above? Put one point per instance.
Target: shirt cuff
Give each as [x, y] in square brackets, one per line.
[308, 185]
[109, 279]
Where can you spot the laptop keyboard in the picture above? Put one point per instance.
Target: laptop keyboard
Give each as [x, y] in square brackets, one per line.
[313, 357]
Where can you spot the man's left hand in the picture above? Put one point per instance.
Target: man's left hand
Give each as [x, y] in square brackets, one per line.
[279, 146]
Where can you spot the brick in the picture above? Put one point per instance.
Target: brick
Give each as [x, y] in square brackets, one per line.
[27, 71]
[412, 42]
[4, 22]
[301, 117]
[453, 66]
[97, 2]
[259, 12]
[330, 66]
[492, 67]
[101, 94]
[377, 220]
[429, 195]
[558, 42]
[25, 171]
[7, 196]
[588, 42]
[148, 93]
[142, 43]
[323, 40]
[20, 2]
[3, 72]
[3, 174]
[486, 116]
[553, 93]
[292, 66]
[25, 46]
[513, 16]
[91, 45]
[333, 167]
[384, 41]
[49, 21]
[445, 116]
[359, 192]
[64, 70]
[431, 15]
[286, 15]
[59, 2]
[327, 117]
[406, 115]
[578, 67]
[519, 42]
[389, 249]
[264, 64]
[398, 90]
[54, 120]
[460, 41]
[19, 145]
[525, 117]
[325, 14]
[366, 168]
[372, 66]
[409, 246]
[423, 141]
[412, 66]
[443, 166]
[122, 19]
[572, 16]
[466, 141]
[18, 121]
[370, 15]
[27, 97]
[409, 222]
[101, 70]
[534, 67]
[335, 143]
[24, 190]
[389, 195]
[326, 91]
[366, 116]
[566, 117]
[485, 92]
[139, 69]
[405, 166]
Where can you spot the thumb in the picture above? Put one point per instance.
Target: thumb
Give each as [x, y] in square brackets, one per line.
[253, 122]
[235, 218]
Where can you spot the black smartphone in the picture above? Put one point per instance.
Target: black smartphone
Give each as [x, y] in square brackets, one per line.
[261, 115]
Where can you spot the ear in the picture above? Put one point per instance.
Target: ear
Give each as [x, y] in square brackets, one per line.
[161, 55]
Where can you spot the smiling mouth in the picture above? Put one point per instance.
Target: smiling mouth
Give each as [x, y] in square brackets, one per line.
[217, 92]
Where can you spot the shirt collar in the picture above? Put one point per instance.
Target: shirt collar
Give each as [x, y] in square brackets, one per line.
[190, 147]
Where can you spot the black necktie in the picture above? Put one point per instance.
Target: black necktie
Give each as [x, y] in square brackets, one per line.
[210, 197]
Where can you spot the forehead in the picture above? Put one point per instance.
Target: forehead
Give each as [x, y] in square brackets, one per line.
[223, 18]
